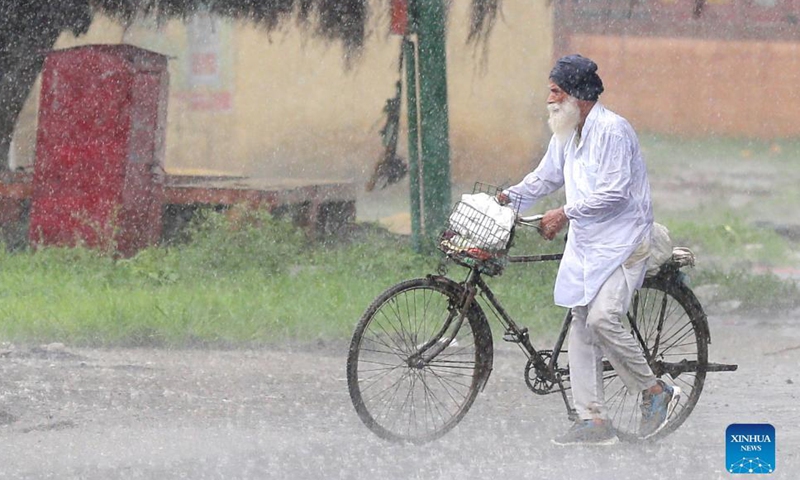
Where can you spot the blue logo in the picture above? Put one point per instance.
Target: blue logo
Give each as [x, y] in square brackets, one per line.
[750, 448]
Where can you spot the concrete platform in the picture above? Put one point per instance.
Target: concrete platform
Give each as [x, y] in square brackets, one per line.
[321, 206]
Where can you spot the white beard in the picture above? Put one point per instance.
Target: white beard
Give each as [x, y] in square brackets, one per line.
[564, 118]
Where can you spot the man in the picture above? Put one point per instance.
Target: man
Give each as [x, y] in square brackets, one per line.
[594, 153]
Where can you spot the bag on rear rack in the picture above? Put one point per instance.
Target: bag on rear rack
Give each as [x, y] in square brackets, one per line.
[660, 248]
[662, 251]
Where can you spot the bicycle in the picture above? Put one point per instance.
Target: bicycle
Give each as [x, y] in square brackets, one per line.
[423, 350]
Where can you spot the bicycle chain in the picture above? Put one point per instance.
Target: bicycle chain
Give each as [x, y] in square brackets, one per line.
[539, 383]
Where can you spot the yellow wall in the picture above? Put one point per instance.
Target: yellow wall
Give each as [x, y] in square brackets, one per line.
[297, 113]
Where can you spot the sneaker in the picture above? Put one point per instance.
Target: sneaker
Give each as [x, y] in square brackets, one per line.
[588, 432]
[656, 409]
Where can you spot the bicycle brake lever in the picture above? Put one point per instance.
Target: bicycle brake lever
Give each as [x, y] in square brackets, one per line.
[530, 221]
[533, 221]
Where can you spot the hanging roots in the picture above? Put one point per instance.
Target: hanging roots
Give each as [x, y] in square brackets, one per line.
[391, 168]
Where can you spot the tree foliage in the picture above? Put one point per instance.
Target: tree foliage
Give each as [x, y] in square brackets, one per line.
[30, 28]
[342, 20]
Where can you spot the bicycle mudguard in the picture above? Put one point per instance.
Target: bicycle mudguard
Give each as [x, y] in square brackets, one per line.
[682, 283]
[676, 282]
[479, 323]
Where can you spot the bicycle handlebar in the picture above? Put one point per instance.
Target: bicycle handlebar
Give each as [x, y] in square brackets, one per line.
[533, 221]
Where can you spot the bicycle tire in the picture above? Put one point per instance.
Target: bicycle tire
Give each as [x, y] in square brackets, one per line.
[408, 404]
[684, 336]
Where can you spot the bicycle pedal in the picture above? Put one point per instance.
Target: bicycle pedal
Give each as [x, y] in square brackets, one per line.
[517, 337]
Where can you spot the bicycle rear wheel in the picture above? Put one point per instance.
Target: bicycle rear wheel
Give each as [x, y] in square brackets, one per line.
[405, 401]
[669, 323]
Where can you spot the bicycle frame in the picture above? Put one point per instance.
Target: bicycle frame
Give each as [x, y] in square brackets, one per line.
[475, 284]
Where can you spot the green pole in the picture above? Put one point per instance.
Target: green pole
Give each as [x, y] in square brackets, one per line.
[410, 61]
[434, 125]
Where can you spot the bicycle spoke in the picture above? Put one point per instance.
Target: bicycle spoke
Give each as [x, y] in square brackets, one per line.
[398, 348]
[374, 379]
[405, 400]
[387, 407]
[434, 398]
[450, 378]
[401, 325]
[617, 403]
[390, 349]
[386, 389]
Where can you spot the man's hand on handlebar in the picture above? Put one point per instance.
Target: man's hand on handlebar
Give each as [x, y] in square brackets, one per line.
[502, 198]
[553, 222]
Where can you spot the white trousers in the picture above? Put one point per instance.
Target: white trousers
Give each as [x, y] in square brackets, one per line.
[597, 332]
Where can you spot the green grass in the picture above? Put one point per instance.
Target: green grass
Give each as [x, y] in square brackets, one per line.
[252, 281]
[257, 280]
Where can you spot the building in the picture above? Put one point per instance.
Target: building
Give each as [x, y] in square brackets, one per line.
[244, 101]
[692, 67]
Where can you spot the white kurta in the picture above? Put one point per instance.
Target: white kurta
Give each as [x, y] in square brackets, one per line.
[608, 201]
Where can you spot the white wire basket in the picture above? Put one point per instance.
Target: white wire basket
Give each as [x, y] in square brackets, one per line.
[479, 230]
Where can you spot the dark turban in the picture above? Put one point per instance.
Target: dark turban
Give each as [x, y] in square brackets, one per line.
[577, 76]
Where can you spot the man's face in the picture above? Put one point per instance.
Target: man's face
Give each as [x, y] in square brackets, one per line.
[557, 95]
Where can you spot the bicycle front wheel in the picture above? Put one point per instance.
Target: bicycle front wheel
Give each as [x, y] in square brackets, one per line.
[403, 400]
[669, 324]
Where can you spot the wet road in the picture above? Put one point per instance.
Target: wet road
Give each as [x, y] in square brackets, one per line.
[285, 414]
